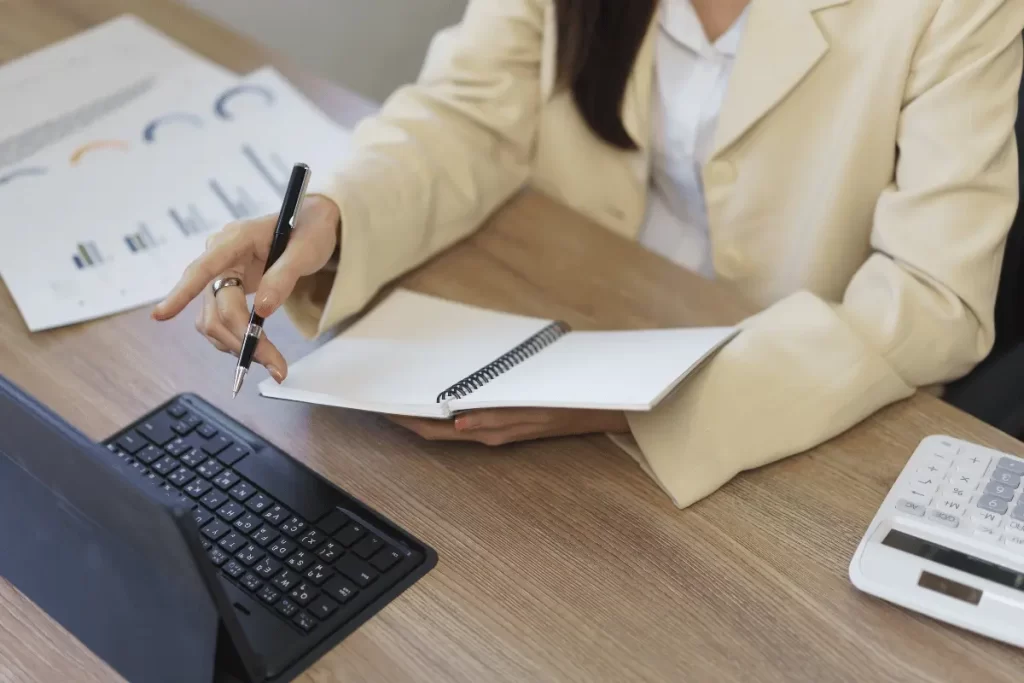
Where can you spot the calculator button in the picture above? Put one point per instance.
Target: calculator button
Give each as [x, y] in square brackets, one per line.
[1015, 525]
[973, 463]
[964, 480]
[1006, 477]
[986, 533]
[994, 488]
[1018, 512]
[1014, 465]
[986, 518]
[952, 505]
[955, 492]
[993, 504]
[919, 497]
[1015, 542]
[944, 518]
[936, 464]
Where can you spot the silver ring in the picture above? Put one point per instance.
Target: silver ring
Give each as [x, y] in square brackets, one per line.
[221, 283]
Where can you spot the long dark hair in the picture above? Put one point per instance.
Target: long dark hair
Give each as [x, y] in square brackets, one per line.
[598, 42]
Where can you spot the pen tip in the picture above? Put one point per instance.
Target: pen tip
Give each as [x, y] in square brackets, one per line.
[234, 393]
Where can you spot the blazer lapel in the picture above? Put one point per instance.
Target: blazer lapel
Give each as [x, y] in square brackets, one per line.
[781, 44]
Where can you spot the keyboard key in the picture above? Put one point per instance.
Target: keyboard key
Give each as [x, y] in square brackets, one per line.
[330, 551]
[232, 542]
[286, 580]
[152, 478]
[389, 557]
[206, 544]
[149, 454]
[197, 488]
[367, 547]
[258, 503]
[268, 595]
[233, 569]
[230, 510]
[251, 582]
[267, 567]
[202, 516]
[350, 534]
[225, 480]
[157, 429]
[293, 527]
[937, 516]
[312, 539]
[166, 465]
[363, 574]
[248, 523]
[229, 456]
[217, 444]
[194, 457]
[277, 514]
[181, 428]
[304, 621]
[300, 560]
[287, 607]
[208, 431]
[334, 520]
[309, 496]
[319, 573]
[250, 555]
[218, 556]
[181, 476]
[265, 535]
[138, 467]
[323, 607]
[992, 504]
[910, 508]
[192, 420]
[340, 589]
[994, 488]
[242, 491]
[1006, 477]
[177, 411]
[131, 443]
[304, 593]
[215, 529]
[282, 547]
[952, 506]
[210, 469]
[1014, 465]
[214, 499]
[177, 447]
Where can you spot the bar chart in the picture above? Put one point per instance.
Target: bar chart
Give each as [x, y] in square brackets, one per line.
[141, 240]
[86, 255]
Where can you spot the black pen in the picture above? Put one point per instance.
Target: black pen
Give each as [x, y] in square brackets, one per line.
[293, 195]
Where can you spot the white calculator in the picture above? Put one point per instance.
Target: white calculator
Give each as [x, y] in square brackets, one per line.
[949, 539]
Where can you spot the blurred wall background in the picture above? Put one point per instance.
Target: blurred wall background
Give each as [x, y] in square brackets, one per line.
[370, 46]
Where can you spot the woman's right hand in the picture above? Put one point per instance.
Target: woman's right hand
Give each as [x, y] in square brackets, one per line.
[240, 250]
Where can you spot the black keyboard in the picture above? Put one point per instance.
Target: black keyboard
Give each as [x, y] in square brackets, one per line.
[306, 559]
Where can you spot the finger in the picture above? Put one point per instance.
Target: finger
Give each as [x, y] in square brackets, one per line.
[301, 257]
[432, 430]
[502, 418]
[209, 325]
[219, 257]
[233, 314]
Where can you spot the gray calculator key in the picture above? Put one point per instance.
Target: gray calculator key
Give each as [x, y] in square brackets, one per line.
[1011, 465]
[994, 488]
[993, 504]
[945, 519]
[1006, 477]
[1018, 513]
[904, 505]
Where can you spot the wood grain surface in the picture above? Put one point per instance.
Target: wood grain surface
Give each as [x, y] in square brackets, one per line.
[559, 560]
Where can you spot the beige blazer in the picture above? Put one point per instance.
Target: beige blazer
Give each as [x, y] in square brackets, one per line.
[862, 185]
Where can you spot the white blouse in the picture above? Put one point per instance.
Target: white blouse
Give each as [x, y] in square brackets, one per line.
[689, 87]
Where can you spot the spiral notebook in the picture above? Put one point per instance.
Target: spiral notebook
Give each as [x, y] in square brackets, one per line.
[422, 356]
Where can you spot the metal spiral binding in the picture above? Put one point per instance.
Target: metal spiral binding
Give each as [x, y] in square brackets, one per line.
[530, 347]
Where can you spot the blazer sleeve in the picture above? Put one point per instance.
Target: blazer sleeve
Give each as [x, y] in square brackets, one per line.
[918, 312]
[440, 156]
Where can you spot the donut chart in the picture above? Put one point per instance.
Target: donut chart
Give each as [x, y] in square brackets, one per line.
[85, 149]
[150, 131]
[22, 173]
[220, 106]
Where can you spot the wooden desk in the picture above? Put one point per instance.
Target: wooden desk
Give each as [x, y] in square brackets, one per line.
[560, 561]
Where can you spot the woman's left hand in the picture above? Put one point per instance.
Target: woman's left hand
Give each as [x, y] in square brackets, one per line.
[507, 425]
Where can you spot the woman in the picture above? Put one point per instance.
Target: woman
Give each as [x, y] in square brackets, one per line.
[849, 165]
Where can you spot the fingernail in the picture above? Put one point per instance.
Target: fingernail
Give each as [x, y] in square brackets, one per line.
[266, 305]
[463, 423]
[275, 373]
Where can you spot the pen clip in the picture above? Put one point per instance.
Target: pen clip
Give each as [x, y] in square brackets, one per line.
[302, 192]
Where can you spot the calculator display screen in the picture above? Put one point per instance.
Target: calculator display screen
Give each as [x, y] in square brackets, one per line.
[954, 559]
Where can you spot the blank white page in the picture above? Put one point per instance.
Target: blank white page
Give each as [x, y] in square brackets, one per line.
[630, 370]
[402, 354]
